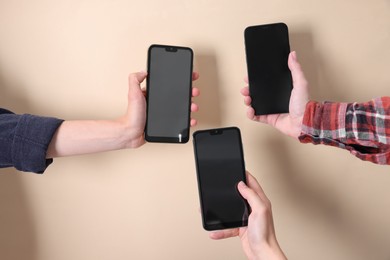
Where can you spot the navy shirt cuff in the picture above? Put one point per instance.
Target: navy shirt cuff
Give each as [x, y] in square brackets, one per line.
[33, 135]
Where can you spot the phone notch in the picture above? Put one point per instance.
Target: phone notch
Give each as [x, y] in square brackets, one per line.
[216, 132]
[171, 49]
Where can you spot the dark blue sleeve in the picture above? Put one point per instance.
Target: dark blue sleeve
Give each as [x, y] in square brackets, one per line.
[24, 140]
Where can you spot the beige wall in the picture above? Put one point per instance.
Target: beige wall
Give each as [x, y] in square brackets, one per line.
[71, 59]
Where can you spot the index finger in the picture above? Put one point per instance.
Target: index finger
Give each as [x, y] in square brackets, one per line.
[223, 234]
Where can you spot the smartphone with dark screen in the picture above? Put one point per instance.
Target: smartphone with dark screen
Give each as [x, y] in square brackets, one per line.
[169, 87]
[270, 83]
[220, 167]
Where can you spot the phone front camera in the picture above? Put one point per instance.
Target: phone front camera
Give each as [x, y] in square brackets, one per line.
[171, 49]
[215, 132]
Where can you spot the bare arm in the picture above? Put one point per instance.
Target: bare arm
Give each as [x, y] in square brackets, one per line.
[92, 136]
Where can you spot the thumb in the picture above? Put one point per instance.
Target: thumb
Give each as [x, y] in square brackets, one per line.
[250, 195]
[135, 79]
[298, 77]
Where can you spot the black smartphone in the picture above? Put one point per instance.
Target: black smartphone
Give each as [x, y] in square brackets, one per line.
[220, 167]
[270, 83]
[169, 87]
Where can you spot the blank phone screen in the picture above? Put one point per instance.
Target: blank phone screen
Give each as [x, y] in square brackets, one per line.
[220, 167]
[270, 84]
[168, 93]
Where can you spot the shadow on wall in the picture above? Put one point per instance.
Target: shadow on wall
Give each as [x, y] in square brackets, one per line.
[302, 43]
[316, 199]
[17, 232]
[323, 86]
[289, 172]
[209, 100]
[10, 97]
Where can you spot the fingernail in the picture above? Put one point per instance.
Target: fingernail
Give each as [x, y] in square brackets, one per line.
[294, 55]
[241, 184]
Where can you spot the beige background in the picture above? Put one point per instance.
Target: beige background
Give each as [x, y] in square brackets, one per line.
[70, 59]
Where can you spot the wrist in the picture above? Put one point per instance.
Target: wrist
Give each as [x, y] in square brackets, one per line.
[270, 251]
[298, 127]
[298, 120]
[129, 136]
[295, 127]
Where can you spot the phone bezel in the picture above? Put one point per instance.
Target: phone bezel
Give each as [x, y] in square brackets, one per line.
[257, 103]
[221, 225]
[168, 139]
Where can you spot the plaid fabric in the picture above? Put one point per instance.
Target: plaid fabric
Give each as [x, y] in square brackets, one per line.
[361, 128]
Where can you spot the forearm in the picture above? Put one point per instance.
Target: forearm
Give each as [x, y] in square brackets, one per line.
[270, 252]
[88, 136]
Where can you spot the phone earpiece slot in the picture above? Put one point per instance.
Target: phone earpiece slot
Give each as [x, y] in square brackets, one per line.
[171, 49]
[216, 132]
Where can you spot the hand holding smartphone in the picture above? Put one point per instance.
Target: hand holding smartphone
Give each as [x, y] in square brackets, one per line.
[220, 167]
[270, 82]
[169, 87]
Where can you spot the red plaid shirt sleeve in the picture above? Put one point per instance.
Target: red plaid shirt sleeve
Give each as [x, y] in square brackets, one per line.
[361, 128]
